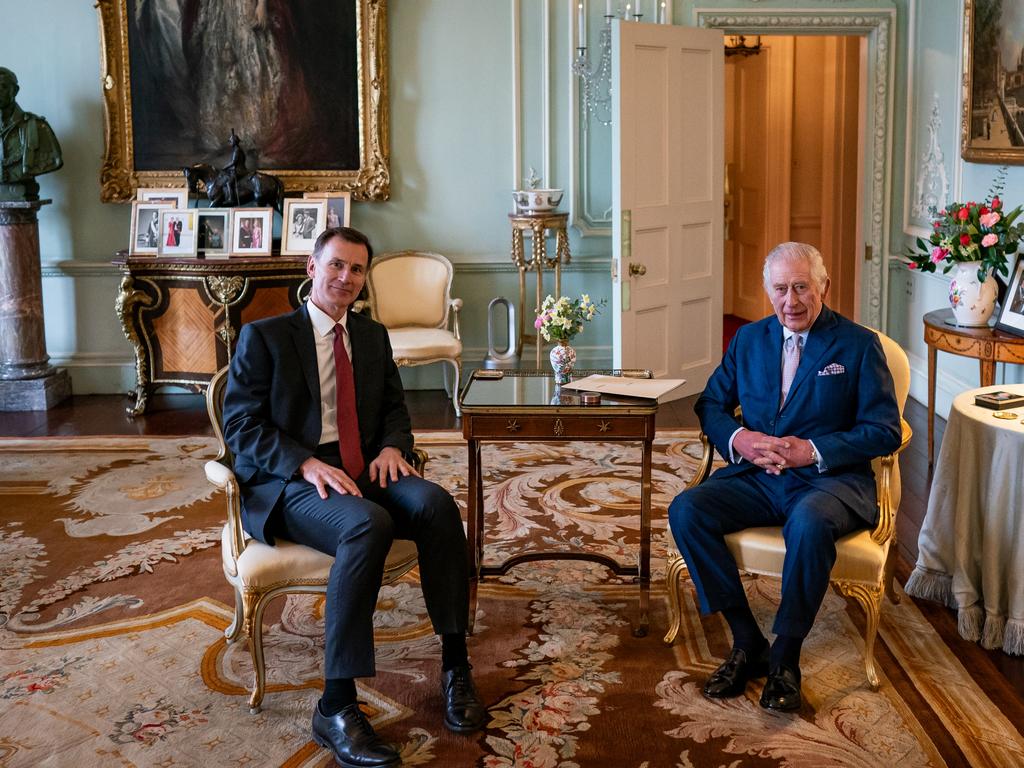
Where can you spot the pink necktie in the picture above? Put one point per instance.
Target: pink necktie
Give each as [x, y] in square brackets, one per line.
[790, 364]
[348, 420]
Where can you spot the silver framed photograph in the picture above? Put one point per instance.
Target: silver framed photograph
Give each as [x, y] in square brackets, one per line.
[178, 232]
[145, 228]
[251, 231]
[1011, 316]
[302, 222]
[339, 206]
[213, 232]
[176, 196]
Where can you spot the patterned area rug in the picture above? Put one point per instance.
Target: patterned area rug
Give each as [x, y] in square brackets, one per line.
[113, 608]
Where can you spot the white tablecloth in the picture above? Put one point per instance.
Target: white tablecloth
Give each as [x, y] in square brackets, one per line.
[971, 547]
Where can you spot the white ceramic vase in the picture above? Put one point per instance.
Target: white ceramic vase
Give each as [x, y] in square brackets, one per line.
[973, 302]
[563, 358]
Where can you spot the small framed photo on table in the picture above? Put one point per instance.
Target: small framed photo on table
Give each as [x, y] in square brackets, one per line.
[175, 196]
[214, 232]
[251, 231]
[339, 206]
[303, 221]
[145, 230]
[1011, 316]
[177, 232]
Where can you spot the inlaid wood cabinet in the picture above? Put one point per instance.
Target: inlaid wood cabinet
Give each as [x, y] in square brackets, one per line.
[182, 316]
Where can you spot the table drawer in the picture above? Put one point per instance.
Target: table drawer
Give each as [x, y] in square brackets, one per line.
[559, 427]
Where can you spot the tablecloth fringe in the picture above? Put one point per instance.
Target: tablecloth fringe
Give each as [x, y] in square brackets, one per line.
[932, 585]
[970, 622]
[1013, 639]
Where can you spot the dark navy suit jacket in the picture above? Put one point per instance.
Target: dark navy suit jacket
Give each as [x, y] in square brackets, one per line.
[851, 416]
[272, 420]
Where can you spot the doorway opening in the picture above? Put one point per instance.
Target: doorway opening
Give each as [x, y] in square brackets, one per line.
[794, 154]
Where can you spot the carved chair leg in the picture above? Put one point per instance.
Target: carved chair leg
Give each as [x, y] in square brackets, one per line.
[673, 577]
[254, 605]
[871, 601]
[457, 365]
[889, 573]
[233, 632]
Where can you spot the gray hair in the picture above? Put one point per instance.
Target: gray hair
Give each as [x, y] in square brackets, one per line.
[808, 253]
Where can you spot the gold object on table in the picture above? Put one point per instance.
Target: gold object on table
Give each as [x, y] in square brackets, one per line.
[1004, 415]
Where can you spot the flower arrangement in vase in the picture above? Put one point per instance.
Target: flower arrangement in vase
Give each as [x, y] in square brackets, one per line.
[977, 240]
[560, 320]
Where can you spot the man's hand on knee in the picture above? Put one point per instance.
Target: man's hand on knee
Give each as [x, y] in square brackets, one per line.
[779, 453]
[389, 466]
[324, 476]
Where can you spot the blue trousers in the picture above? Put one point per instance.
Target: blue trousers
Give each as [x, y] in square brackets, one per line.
[812, 521]
[358, 532]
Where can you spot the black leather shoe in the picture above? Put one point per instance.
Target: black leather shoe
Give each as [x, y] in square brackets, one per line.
[349, 735]
[782, 690]
[730, 679]
[463, 712]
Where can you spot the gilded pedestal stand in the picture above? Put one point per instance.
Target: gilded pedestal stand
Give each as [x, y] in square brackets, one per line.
[538, 225]
[27, 380]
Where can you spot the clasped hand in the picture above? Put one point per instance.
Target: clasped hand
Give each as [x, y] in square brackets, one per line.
[773, 454]
[389, 465]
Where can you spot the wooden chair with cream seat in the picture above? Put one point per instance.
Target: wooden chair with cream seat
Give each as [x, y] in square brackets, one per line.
[410, 294]
[864, 560]
[258, 572]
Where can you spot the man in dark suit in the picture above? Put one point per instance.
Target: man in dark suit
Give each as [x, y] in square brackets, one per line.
[818, 404]
[314, 412]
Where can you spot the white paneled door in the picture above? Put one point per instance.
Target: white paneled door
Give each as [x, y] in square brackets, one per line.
[667, 187]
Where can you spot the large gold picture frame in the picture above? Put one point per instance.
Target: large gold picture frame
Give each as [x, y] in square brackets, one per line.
[367, 179]
[991, 127]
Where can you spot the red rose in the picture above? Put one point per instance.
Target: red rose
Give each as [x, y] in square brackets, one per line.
[936, 224]
[982, 211]
[911, 265]
[996, 203]
[963, 213]
[965, 239]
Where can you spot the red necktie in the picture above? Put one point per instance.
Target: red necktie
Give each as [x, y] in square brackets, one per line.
[348, 419]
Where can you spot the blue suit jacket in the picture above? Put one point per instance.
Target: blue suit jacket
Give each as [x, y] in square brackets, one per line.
[852, 416]
[272, 420]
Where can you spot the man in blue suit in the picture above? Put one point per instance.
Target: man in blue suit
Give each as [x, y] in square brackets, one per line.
[315, 415]
[818, 404]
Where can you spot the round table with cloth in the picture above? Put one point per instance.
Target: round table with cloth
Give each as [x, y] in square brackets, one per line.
[971, 545]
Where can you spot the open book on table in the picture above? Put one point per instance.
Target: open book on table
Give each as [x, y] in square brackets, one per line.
[650, 389]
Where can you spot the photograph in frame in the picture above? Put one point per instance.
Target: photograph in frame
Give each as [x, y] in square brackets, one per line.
[312, 108]
[302, 222]
[992, 122]
[339, 207]
[178, 232]
[214, 232]
[1011, 315]
[175, 196]
[251, 231]
[145, 228]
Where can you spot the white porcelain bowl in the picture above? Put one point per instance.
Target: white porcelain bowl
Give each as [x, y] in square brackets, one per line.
[537, 200]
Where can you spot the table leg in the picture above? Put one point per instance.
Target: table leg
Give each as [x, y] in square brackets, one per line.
[932, 354]
[540, 299]
[521, 321]
[644, 566]
[474, 524]
[988, 372]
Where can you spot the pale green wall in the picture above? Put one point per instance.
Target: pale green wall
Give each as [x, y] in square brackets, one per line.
[453, 161]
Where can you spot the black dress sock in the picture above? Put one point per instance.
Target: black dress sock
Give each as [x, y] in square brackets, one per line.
[453, 651]
[786, 650]
[339, 692]
[746, 634]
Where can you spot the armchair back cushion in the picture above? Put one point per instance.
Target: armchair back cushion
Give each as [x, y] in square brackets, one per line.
[410, 288]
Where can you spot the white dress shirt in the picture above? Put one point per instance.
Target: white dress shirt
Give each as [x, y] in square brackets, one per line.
[323, 335]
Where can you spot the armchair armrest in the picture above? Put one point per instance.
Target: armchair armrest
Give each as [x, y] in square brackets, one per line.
[886, 527]
[456, 307]
[223, 478]
[704, 468]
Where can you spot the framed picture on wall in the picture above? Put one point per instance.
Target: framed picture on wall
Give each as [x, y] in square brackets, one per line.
[174, 196]
[301, 224]
[311, 109]
[339, 206]
[178, 232]
[251, 231]
[214, 232]
[1011, 317]
[145, 229]
[992, 121]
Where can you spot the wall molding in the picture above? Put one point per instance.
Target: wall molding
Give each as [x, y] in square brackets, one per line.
[878, 26]
[79, 268]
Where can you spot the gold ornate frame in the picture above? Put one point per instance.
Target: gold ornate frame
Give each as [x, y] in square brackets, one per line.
[1003, 155]
[372, 181]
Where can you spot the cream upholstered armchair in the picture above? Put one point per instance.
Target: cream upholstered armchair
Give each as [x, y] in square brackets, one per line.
[410, 294]
[258, 572]
[864, 559]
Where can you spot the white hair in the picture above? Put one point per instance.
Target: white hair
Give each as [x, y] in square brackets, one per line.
[787, 251]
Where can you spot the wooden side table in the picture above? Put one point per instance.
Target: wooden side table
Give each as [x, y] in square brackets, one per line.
[538, 224]
[182, 316]
[987, 345]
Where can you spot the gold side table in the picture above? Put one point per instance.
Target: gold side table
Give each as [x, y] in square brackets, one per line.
[538, 225]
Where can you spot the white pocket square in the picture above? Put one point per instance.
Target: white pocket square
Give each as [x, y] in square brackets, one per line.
[832, 369]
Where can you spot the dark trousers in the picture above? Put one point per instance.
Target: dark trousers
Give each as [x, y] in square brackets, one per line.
[359, 532]
[811, 523]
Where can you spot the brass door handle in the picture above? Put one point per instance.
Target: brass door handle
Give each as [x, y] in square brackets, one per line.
[637, 270]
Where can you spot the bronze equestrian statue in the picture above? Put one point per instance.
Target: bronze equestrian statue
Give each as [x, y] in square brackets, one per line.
[234, 185]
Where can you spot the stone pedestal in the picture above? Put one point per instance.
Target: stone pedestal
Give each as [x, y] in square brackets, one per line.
[27, 380]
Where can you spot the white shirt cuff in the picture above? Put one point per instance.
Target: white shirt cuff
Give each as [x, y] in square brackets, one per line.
[732, 454]
[821, 461]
